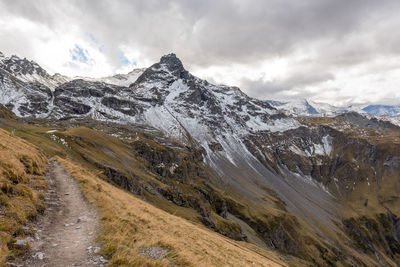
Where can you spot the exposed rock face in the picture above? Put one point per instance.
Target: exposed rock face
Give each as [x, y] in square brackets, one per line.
[68, 106]
[238, 157]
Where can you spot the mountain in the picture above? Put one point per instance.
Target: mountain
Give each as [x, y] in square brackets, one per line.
[383, 110]
[300, 107]
[118, 79]
[394, 120]
[164, 96]
[323, 189]
[29, 71]
[305, 107]
[359, 120]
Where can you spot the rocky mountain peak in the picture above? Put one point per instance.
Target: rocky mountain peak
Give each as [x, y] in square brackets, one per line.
[22, 67]
[172, 61]
[174, 65]
[169, 69]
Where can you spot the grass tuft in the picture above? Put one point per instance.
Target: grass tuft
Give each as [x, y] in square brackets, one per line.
[21, 167]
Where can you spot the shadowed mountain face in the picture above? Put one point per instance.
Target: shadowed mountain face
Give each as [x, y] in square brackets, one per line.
[324, 191]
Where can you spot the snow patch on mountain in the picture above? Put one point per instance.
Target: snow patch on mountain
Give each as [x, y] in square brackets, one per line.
[303, 107]
[325, 148]
[383, 110]
[394, 120]
[118, 79]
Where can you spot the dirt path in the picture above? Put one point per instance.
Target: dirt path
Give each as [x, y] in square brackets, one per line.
[65, 235]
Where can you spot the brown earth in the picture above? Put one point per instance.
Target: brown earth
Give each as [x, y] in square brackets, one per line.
[65, 235]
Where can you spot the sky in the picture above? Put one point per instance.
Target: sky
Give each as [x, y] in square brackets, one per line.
[334, 51]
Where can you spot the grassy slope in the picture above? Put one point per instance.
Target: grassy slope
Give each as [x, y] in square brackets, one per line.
[21, 168]
[129, 224]
[92, 147]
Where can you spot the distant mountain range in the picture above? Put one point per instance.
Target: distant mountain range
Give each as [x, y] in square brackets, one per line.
[305, 107]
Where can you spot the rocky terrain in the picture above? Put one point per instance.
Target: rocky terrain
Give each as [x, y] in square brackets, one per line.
[325, 190]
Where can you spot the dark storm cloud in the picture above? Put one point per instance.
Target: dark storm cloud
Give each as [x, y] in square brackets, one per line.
[214, 32]
[337, 34]
[291, 87]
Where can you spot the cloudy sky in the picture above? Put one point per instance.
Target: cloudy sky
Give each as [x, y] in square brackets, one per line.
[334, 51]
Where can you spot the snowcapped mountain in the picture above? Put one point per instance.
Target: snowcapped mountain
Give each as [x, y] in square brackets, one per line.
[29, 71]
[383, 110]
[305, 107]
[169, 98]
[164, 95]
[118, 79]
[299, 107]
[394, 120]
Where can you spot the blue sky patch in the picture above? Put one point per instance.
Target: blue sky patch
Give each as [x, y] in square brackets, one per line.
[93, 38]
[126, 61]
[79, 54]
[96, 41]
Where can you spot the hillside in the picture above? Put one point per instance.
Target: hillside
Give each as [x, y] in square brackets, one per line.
[129, 226]
[22, 166]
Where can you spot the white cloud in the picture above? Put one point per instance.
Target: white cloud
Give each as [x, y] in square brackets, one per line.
[326, 50]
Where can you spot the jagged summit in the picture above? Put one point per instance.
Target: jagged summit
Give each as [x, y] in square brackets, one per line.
[169, 68]
[29, 71]
[18, 66]
[172, 61]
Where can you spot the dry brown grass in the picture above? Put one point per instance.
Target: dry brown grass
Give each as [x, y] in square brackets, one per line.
[129, 224]
[21, 167]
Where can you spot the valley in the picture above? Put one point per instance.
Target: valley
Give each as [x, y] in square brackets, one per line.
[269, 187]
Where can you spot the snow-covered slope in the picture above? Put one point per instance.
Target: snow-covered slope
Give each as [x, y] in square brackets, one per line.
[395, 120]
[118, 79]
[169, 98]
[383, 110]
[327, 109]
[29, 71]
[297, 107]
[305, 107]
